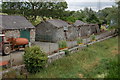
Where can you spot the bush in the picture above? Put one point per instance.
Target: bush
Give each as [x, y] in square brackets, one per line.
[79, 40]
[34, 59]
[62, 44]
[69, 19]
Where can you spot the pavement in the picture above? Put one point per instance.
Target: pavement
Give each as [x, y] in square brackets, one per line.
[16, 57]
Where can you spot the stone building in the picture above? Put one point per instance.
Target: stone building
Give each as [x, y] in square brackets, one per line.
[0, 39]
[94, 28]
[17, 26]
[54, 30]
[85, 29]
[72, 33]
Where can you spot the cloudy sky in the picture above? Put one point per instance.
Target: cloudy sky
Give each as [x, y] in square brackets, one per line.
[74, 5]
[94, 4]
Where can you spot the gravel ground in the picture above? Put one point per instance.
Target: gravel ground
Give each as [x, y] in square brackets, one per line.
[15, 56]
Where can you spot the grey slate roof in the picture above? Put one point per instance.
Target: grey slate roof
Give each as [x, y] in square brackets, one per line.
[58, 23]
[14, 22]
[78, 23]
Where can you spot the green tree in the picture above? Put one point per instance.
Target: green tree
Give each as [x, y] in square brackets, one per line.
[33, 9]
[108, 14]
[86, 15]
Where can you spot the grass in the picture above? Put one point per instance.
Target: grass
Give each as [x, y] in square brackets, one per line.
[62, 44]
[92, 62]
[79, 40]
[96, 61]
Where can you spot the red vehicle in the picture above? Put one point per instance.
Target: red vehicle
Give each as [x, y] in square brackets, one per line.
[12, 44]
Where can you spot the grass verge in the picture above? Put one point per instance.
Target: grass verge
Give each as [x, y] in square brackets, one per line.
[99, 60]
[96, 61]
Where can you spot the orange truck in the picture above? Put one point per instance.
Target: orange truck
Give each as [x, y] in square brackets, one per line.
[12, 44]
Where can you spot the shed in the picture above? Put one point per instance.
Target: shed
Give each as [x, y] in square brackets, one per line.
[85, 29]
[17, 26]
[53, 30]
[94, 28]
[82, 28]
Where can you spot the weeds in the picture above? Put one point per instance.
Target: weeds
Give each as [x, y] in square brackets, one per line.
[62, 44]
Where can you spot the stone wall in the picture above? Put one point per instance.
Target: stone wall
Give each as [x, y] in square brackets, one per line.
[95, 29]
[11, 33]
[72, 33]
[49, 33]
[16, 34]
[85, 30]
[59, 35]
[32, 35]
[44, 32]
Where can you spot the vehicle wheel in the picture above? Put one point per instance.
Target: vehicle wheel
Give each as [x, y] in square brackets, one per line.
[7, 50]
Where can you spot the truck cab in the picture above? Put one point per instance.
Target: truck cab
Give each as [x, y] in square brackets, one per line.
[4, 46]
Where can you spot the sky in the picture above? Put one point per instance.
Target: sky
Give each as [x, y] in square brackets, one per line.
[74, 5]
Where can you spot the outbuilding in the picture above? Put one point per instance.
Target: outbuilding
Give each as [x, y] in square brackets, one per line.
[85, 29]
[94, 28]
[17, 26]
[54, 30]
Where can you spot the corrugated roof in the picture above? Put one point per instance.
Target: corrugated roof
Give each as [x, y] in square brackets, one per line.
[58, 23]
[14, 22]
[78, 23]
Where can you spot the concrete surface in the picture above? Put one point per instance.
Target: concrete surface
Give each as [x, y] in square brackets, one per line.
[16, 57]
[47, 47]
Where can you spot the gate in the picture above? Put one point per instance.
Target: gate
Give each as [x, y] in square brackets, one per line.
[0, 43]
[25, 34]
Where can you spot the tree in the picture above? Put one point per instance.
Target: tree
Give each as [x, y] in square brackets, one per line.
[108, 14]
[92, 19]
[86, 15]
[32, 9]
